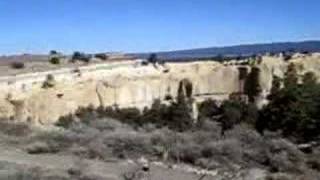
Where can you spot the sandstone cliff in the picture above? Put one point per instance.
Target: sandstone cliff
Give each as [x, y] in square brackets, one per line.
[126, 84]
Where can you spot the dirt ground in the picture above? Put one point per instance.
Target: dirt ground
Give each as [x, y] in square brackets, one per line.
[40, 63]
[61, 165]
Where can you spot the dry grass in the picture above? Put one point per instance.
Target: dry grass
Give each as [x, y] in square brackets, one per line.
[107, 139]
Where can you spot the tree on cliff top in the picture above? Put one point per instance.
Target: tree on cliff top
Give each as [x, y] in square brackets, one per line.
[153, 58]
[53, 53]
[80, 57]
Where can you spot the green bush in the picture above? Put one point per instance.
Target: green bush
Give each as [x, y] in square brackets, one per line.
[17, 65]
[153, 58]
[208, 109]
[79, 56]
[287, 57]
[14, 129]
[53, 52]
[49, 82]
[101, 56]
[55, 60]
[293, 110]
[65, 121]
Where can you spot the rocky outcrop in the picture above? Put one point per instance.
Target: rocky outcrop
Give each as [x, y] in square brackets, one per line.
[128, 84]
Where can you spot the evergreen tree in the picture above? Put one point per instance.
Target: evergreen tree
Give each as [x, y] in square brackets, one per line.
[309, 78]
[275, 88]
[153, 58]
[291, 76]
[179, 114]
[294, 109]
[252, 84]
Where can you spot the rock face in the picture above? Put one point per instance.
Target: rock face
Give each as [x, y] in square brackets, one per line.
[127, 84]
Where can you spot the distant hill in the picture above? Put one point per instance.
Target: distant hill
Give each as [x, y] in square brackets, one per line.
[239, 50]
[200, 53]
[22, 58]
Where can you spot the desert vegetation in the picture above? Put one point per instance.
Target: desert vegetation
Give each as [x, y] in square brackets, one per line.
[232, 137]
[80, 56]
[55, 60]
[49, 82]
[280, 138]
[17, 65]
[101, 56]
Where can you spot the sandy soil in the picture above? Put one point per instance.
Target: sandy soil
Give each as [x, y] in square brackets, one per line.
[108, 170]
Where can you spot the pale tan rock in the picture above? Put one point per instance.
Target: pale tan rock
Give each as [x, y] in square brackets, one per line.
[127, 85]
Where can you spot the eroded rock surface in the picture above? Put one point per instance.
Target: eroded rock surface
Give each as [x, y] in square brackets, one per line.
[127, 84]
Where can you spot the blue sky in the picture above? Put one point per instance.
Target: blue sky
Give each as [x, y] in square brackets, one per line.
[37, 26]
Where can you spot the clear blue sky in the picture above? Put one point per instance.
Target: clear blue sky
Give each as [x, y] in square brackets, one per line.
[37, 26]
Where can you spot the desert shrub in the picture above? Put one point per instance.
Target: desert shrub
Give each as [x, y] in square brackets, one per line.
[309, 79]
[276, 154]
[79, 56]
[314, 164]
[213, 127]
[250, 114]
[153, 58]
[97, 149]
[25, 174]
[130, 116]
[54, 60]
[168, 97]
[40, 148]
[19, 172]
[287, 57]
[53, 52]
[231, 114]
[208, 109]
[129, 144]
[187, 152]
[285, 157]
[241, 146]
[163, 141]
[49, 82]
[65, 121]
[15, 129]
[100, 140]
[86, 114]
[279, 176]
[228, 150]
[156, 114]
[208, 149]
[101, 56]
[108, 124]
[89, 114]
[178, 117]
[55, 141]
[17, 65]
[76, 55]
[246, 135]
